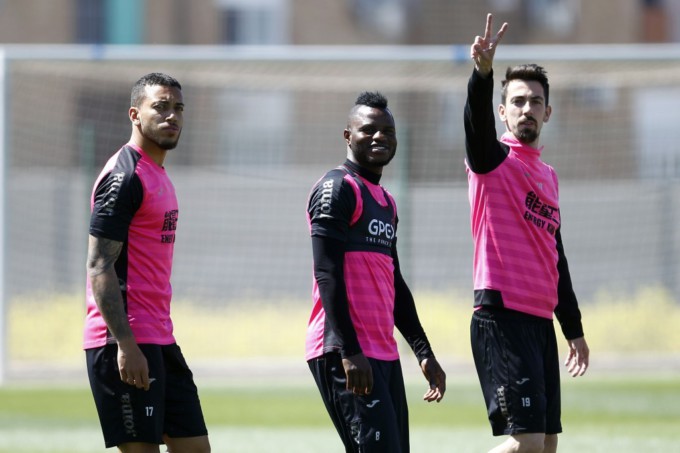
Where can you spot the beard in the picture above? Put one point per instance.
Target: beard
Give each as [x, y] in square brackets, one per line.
[157, 137]
[167, 144]
[527, 132]
[527, 136]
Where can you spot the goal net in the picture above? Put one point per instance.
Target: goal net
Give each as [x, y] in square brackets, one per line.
[262, 125]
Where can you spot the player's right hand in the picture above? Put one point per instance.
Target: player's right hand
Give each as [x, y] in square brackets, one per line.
[132, 364]
[359, 374]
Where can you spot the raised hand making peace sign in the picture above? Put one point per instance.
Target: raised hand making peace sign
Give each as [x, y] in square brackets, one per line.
[483, 49]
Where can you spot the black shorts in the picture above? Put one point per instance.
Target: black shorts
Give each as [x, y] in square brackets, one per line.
[518, 368]
[375, 423]
[128, 414]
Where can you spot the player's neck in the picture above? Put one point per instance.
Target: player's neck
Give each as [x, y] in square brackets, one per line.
[156, 153]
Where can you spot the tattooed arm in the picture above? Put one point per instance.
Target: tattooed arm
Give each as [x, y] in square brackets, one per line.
[101, 257]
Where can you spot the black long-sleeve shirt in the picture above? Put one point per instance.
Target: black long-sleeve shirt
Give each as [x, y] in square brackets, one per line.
[346, 218]
[485, 154]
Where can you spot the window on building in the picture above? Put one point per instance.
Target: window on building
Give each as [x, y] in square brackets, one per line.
[254, 21]
[388, 17]
[90, 22]
[557, 15]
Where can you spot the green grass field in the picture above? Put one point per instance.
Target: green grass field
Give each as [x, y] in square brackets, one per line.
[601, 413]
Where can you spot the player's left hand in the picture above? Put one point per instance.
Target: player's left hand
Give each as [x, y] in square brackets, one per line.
[577, 359]
[436, 377]
[483, 48]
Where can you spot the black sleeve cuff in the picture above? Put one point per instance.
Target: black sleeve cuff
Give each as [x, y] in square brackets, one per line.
[420, 347]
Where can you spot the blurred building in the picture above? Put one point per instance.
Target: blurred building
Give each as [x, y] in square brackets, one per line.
[334, 21]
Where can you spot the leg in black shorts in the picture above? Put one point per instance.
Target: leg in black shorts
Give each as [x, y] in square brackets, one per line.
[518, 368]
[375, 423]
[128, 414]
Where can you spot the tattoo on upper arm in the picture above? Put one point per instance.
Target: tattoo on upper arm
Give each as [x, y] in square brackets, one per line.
[102, 254]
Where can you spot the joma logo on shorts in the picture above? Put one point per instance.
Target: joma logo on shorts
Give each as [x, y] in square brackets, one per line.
[128, 415]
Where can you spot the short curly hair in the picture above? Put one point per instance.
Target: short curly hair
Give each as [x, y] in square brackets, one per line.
[373, 99]
[153, 78]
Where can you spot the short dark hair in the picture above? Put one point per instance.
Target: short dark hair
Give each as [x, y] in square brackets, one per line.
[153, 78]
[529, 71]
[373, 99]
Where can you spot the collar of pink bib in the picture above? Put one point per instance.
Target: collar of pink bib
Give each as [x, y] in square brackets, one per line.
[519, 147]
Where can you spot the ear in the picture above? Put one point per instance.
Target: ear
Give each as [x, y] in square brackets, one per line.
[346, 134]
[548, 112]
[133, 114]
[501, 112]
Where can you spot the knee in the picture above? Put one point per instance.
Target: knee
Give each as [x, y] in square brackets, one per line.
[195, 445]
[550, 444]
[530, 443]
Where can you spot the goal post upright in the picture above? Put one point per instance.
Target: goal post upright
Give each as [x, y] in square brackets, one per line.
[4, 334]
